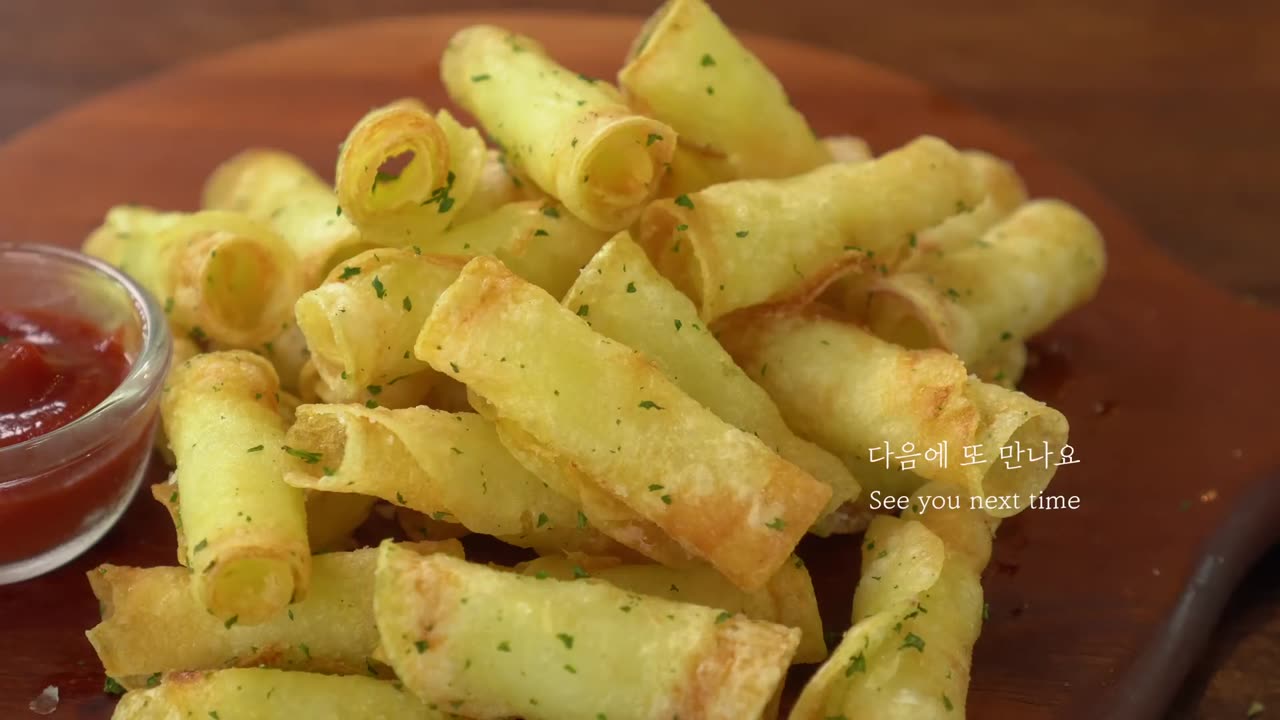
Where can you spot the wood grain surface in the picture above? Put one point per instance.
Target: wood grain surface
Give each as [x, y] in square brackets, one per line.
[1168, 107]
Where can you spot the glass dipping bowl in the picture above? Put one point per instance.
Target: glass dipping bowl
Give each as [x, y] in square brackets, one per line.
[60, 492]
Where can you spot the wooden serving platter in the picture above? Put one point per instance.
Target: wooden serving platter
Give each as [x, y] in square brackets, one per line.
[1169, 384]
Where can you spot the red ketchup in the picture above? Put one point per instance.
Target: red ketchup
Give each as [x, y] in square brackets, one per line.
[53, 370]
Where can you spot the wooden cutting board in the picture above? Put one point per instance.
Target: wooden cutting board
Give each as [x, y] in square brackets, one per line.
[1169, 384]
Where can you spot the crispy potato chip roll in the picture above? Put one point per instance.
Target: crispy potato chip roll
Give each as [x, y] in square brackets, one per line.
[492, 644]
[623, 297]
[847, 149]
[249, 554]
[497, 185]
[688, 70]
[918, 611]
[984, 299]
[264, 694]
[221, 276]
[152, 621]
[851, 392]
[607, 417]
[1003, 192]
[276, 187]
[361, 323]
[572, 135]
[537, 240]
[748, 242]
[449, 466]
[787, 599]
[404, 175]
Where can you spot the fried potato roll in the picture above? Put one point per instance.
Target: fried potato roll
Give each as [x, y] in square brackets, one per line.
[442, 162]
[622, 297]
[247, 529]
[493, 644]
[279, 188]
[153, 623]
[787, 599]
[688, 70]
[749, 242]
[611, 422]
[264, 694]
[221, 276]
[851, 392]
[497, 185]
[449, 466]
[918, 611]
[847, 149]
[572, 135]
[537, 240]
[361, 322]
[982, 301]
[1003, 192]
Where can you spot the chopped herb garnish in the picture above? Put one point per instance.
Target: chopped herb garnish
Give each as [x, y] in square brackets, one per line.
[306, 456]
[543, 519]
[653, 138]
[197, 334]
[112, 687]
[200, 545]
[338, 212]
[349, 272]
[666, 499]
[378, 287]
[421, 646]
[455, 367]
[654, 487]
[504, 646]
[857, 664]
[579, 573]
[407, 304]
[631, 287]
[776, 524]
[566, 639]
[583, 310]
[582, 519]
[678, 324]
[682, 227]
[255, 448]
[650, 405]
[153, 680]
[230, 621]
[707, 60]
[684, 201]
[743, 233]
[550, 211]
[480, 78]
[540, 233]
[725, 615]
[912, 641]
[399, 497]
[946, 703]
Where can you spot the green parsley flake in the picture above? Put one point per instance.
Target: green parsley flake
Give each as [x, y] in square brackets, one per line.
[255, 448]
[543, 519]
[582, 519]
[583, 310]
[540, 233]
[112, 687]
[304, 455]
[857, 664]
[421, 646]
[481, 77]
[407, 304]
[579, 573]
[684, 201]
[631, 287]
[349, 272]
[912, 641]
[743, 233]
[650, 405]
[678, 324]
[776, 524]
[378, 288]
[153, 680]
[707, 60]
[946, 703]
[566, 639]
[550, 211]
[504, 646]
[724, 615]
[653, 138]
[230, 621]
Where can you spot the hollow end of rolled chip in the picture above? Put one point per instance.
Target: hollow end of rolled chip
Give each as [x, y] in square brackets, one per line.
[229, 186]
[240, 288]
[251, 589]
[395, 157]
[331, 354]
[615, 167]
[323, 432]
[1031, 479]
[741, 672]
[905, 310]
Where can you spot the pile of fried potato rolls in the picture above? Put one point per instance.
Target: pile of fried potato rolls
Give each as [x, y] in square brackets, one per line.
[647, 336]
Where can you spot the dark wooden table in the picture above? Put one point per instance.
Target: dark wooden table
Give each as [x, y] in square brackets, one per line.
[1170, 107]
